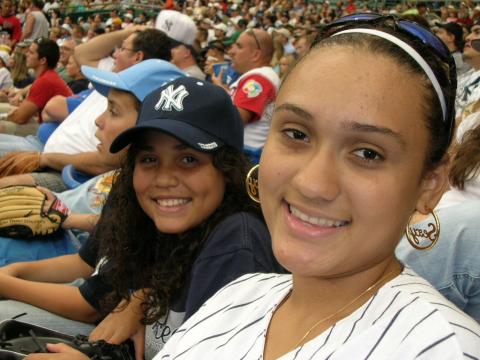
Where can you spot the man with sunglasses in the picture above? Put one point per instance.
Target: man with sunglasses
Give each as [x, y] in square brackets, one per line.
[255, 90]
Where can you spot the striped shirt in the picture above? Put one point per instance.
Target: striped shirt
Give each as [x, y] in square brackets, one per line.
[406, 319]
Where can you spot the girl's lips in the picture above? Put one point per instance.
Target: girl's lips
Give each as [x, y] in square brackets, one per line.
[305, 229]
[171, 205]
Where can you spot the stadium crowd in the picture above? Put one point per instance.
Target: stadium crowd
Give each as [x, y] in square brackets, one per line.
[139, 122]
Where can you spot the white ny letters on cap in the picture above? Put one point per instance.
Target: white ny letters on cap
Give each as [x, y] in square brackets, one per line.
[172, 97]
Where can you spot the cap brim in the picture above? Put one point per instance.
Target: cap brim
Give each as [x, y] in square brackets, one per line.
[192, 136]
[103, 80]
[174, 43]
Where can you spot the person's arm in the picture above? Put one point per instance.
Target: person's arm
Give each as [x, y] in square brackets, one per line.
[85, 222]
[56, 109]
[89, 162]
[60, 269]
[249, 101]
[36, 283]
[21, 179]
[29, 23]
[58, 351]
[91, 52]
[23, 112]
[63, 300]
[246, 115]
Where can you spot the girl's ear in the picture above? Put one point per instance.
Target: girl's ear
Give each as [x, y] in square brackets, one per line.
[434, 184]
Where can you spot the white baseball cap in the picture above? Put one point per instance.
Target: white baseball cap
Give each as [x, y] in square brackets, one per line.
[178, 27]
[221, 26]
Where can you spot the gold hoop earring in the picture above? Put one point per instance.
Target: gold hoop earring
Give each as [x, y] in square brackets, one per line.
[251, 183]
[423, 239]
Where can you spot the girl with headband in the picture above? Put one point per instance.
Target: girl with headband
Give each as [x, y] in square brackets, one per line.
[357, 145]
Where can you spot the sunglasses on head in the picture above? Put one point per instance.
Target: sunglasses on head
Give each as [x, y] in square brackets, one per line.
[411, 30]
[409, 27]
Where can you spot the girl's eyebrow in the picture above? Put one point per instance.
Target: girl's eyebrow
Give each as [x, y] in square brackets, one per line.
[297, 110]
[369, 128]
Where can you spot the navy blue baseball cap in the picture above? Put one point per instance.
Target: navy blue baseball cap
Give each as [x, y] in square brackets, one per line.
[196, 112]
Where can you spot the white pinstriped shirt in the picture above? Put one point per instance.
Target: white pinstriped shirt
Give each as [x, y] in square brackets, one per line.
[406, 319]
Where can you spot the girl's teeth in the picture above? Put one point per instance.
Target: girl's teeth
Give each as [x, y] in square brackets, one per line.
[315, 220]
[172, 202]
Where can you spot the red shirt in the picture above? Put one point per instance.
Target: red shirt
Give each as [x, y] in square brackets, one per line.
[11, 25]
[46, 86]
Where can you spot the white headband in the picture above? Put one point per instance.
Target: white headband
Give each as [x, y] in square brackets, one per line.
[413, 54]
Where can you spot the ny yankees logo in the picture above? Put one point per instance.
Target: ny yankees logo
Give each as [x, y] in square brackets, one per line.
[172, 97]
[168, 24]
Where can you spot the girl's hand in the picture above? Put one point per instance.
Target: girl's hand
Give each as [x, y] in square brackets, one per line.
[122, 324]
[59, 352]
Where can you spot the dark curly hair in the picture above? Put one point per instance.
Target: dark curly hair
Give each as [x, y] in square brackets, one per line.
[140, 256]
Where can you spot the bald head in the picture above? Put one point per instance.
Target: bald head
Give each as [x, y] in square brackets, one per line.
[253, 49]
[266, 44]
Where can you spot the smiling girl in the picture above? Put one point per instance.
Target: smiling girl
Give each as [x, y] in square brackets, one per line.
[357, 145]
[181, 225]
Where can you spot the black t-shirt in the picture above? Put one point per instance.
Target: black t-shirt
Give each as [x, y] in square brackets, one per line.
[238, 245]
[78, 85]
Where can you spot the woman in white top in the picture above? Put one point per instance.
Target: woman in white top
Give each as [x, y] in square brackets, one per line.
[357, 145]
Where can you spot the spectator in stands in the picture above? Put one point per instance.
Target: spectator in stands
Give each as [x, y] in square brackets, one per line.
[215, 54]
[278, 51]
[283, 35]
[67, 48]
[468, 90]
[6, 81]
[36, 24]
[127, 20]
[452, 35]
[182, 32]
[79, 82]
[19, 70]
[219, 31]
[286, 62]
[78, 33]
[254, 92]
[10, 23]
[302, 45]
[55, 19]
[42, 56]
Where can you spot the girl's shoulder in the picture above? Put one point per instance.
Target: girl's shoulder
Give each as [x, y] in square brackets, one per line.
[239, 230]
[411, 306]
